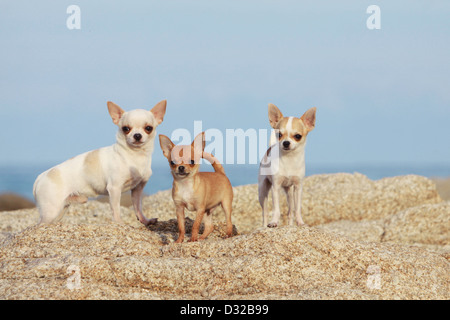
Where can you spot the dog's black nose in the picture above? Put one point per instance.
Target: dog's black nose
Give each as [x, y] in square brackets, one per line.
[137, 137]
[286, 144]
[181, 168]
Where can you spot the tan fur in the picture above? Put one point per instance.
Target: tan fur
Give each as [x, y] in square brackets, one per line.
[214, 162]
[76, 199]
[297, 127]
[92, 163]
[197, 191]
[55, 176]
[309, 119]
[275, 115]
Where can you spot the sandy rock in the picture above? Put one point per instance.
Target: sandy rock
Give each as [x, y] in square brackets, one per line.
[284, 262]
[342, 196]
[427, 224]
[364, 230]
[17, 220]
[326, 198]
[385, 239]
[160, 205]
[10, 201]
[65, 239]
[355, 197]
[443, 187]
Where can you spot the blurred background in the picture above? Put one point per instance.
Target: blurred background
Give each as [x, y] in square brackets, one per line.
[382, 96]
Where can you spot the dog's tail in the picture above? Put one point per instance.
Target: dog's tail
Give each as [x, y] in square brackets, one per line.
[214, 162]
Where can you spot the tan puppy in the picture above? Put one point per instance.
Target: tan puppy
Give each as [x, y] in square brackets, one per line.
[197, 191]
[124, 166]
[283, 166]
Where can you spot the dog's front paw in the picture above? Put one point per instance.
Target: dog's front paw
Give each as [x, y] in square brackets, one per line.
[148, 222]
[272, 225]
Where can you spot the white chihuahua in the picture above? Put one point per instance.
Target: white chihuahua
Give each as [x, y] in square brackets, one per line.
[124, 166]
[283, 165]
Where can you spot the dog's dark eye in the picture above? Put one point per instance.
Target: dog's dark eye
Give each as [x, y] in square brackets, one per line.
[280, 135]
[126, 129]
[172, 163]
[148, 129]
[192, 162]
[298, 137]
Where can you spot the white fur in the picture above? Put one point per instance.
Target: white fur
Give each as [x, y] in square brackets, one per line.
[282, 169]
[185, 193]
[289, 124]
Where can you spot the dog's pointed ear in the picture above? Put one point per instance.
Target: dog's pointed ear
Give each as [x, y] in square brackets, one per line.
[199, 143]
[309, 118]
[159, 110]
[115, 112]
[275, 115]
[166, 145]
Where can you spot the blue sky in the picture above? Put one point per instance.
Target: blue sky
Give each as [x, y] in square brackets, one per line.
[382, 96]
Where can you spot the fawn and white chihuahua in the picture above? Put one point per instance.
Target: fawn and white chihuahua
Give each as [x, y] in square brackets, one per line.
[197, 191]
[124, 166]
[283, 165]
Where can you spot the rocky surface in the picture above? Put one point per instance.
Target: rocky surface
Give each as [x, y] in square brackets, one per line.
[10, 201]
[385, 239]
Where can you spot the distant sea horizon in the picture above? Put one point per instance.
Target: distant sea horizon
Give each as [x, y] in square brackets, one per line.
[19, 179]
